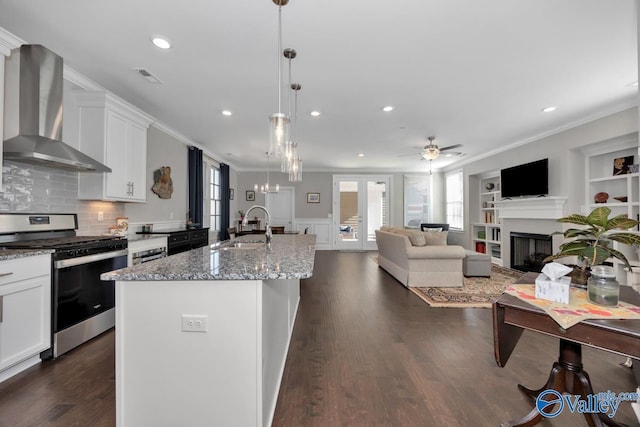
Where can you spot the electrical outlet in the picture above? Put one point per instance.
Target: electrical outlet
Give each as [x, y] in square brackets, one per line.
[100, 216]
[194, 323]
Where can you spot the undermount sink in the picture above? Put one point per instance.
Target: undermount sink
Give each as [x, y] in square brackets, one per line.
[243, 246]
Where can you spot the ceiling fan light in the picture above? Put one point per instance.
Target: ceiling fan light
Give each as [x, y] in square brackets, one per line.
[431, 153]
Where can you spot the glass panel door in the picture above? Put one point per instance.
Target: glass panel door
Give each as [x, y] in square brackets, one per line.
[377, 202]
[361, 206]
[349, 216]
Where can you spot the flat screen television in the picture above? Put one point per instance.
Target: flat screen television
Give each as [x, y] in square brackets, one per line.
[528, 179]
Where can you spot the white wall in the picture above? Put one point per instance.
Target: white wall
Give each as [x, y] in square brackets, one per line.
[163, 150]
[566, 163]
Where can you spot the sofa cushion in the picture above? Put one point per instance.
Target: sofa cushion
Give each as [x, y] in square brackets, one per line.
[415, 237]
[435, 252]
[435, 238]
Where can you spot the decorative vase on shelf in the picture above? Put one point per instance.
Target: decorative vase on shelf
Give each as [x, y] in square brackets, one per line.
[601, 197]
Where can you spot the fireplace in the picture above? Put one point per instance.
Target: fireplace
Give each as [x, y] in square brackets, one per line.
[528, 250]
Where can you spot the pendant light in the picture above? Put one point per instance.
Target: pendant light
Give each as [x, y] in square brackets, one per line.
[288, 154]
[267, 187]
[279, 122]
[295, 162]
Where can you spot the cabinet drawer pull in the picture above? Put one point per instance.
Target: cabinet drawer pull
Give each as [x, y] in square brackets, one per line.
[6, 274]
[1, 307]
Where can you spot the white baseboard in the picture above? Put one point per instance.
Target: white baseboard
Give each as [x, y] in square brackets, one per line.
[16, 369]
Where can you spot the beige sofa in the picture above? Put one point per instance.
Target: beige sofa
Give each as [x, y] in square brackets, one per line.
[431, 265]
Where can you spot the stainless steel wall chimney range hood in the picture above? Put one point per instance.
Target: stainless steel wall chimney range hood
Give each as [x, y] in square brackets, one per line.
[33, 112]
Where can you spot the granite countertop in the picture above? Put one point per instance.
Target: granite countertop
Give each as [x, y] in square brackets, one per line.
[6, 254]
[139, 237]
[175, 230]
[291, 257]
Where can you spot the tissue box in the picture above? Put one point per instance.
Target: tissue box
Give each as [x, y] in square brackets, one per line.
[553, 290]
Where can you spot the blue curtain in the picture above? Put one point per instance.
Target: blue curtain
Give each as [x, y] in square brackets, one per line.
[196, 190]
[225, 203]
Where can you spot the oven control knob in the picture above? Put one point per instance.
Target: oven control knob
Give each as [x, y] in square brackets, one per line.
[71, 253]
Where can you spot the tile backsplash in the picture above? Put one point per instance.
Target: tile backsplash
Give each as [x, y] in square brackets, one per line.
[41, 189]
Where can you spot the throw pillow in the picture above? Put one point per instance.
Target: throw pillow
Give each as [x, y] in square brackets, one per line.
[435, 238]
[432, 230]
[416, 238]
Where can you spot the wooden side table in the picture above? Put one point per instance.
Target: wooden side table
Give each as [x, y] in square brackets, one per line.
[511, 316]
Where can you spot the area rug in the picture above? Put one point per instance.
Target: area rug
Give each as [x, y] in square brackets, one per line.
[476, 291]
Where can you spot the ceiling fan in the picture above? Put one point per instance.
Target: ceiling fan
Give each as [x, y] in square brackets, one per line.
[431, 151]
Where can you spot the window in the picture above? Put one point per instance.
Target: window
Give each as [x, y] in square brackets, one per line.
[215, 203]
[455, 200]
[417, 195]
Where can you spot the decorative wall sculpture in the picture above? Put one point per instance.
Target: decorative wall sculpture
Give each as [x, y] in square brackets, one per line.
[162, 182]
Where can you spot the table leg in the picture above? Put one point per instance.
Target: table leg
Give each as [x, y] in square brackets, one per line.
[567, 376]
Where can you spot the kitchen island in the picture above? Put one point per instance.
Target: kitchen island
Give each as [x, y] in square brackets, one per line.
[202, 336]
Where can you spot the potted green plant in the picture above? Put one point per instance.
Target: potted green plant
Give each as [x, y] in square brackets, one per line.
[591, 244]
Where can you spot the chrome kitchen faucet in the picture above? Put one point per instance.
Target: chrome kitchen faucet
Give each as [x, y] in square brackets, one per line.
[267, 232]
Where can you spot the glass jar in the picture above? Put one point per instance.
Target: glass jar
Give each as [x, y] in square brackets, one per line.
[602, 287]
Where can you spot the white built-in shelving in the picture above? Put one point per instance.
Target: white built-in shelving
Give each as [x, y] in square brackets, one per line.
[487, 231]
[622, 189]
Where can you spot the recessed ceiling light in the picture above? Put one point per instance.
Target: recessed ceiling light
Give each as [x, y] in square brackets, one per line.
[161, 42]
[549, 109]
[315, 113]
[387, 108]
[360, 154]
[226, 113]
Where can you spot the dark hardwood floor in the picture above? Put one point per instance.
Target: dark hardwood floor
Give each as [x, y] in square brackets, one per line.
[365, 352]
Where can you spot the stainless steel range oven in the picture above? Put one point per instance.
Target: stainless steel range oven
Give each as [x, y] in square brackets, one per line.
[83, 305]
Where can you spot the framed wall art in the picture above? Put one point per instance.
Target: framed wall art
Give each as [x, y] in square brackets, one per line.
[251, 195]
[313, 197]
[621, 165]
[122, 224]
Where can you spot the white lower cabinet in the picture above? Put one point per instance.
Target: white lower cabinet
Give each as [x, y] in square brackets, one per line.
[25, 309]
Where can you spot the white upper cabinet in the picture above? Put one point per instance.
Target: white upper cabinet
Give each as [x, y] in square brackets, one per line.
[115, 134]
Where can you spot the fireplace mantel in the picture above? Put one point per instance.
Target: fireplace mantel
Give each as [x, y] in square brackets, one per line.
[532, 208]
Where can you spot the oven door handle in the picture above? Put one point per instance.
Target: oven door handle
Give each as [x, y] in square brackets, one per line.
[71, 262]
